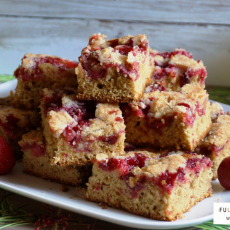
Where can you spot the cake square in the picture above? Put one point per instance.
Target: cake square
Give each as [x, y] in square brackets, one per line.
[75, 130]
[42, 71]
[216, 144]
[14, 123]
[115, 70]
[36, 162]
[168, 120]
[161, 188]
[175, 69]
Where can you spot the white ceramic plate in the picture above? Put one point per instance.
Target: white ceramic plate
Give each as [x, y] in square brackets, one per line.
[72, 200]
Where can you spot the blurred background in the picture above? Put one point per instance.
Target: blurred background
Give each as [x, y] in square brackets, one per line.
[62, 28]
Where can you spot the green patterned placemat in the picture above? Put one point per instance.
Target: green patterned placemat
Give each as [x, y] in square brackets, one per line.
[220, 94]
[210, 226]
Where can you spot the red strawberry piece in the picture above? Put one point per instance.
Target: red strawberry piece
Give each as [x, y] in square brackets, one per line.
[7, 158]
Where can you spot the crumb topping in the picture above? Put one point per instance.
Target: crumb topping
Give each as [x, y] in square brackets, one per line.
[59, 121]
[223, 118]
[174, 70]
[32, 65]
[170, 163]
[136, 168]
[161, 108]
[34, 142]
[123, 54]
[34, 136]
[219, 134]
[79, 122]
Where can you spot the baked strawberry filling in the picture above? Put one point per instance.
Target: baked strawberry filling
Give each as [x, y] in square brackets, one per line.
[208, 150]
[217, 149]
[82, 112]
[156, 124]
[173, 53]
[114, 43]
[34, 72]
[110, 139]
[190, 115]
[54, 101]
[96, 70]
[164, 71]
[36, 149]
[159, 86]
[91, 63]
[139, 185]
[123, 49]
[201, 109]
[11, 127]
[124, 165]
[167, 70]
[186, 77]
[160, 123]
[197, 164]
[127, 111]
[165, 180]
[73, 134]
[129, 147]
[172, 71]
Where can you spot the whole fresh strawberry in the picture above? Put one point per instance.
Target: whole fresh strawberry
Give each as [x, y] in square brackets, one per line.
[7, 158]
[224, 173]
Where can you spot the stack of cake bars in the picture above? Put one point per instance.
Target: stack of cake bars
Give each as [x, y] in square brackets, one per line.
[133, 124]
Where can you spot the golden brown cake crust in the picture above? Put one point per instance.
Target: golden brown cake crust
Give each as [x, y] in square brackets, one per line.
[101, 98]
[153, 216]
[115, 70]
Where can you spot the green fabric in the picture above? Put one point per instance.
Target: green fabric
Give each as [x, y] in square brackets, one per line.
[5, 78]
[220, 94]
